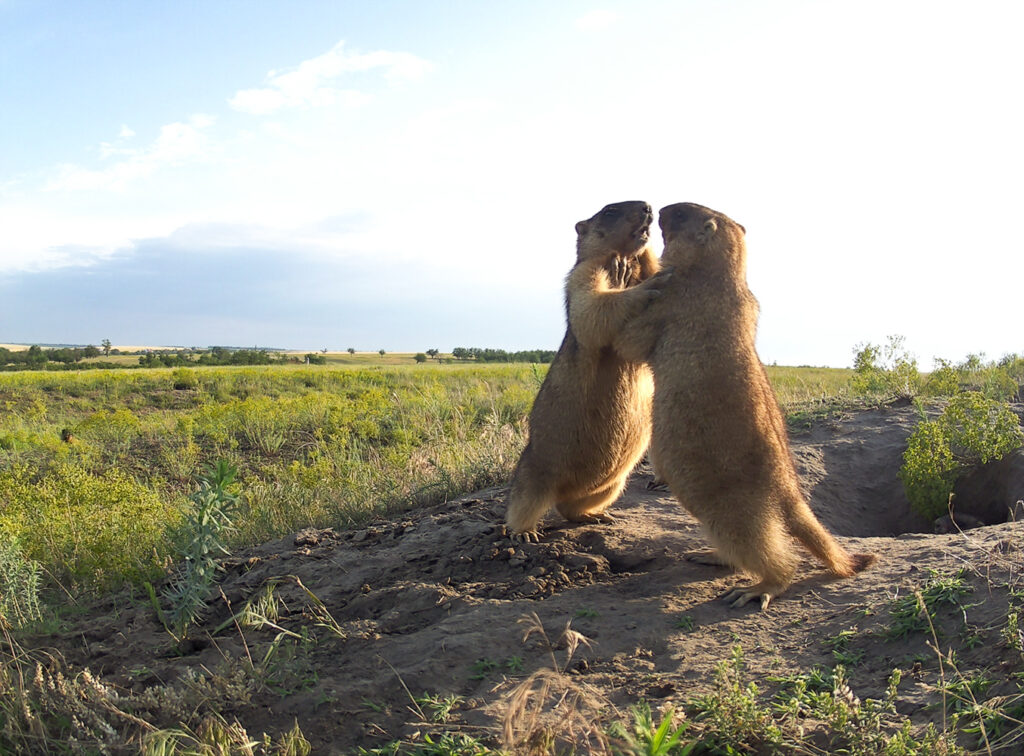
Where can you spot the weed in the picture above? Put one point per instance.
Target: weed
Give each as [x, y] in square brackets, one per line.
[215, 735]
[184, 379]
[645, 738]
[19, 586]
[962, 693]
[916, 611]
[733, 713]
[1012, 634]
[733, 719]
[686, 623]
[202, 538]
[840, 646]
[438, 708]
[287, 668]
[481, 668]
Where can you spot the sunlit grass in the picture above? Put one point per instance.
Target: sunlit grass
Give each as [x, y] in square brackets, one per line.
[96, 466]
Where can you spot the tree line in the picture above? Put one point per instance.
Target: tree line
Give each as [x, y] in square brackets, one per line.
[36, 358]
[500, 355]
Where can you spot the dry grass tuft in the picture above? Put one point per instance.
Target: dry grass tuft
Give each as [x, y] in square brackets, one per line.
[551, 711]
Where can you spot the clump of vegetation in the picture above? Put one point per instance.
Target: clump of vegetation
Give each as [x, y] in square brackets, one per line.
[972, 430]
[201, 540]
[915, 612]
[813, 709]
[646, 738]
[90, 530]
[19, 586]
[46, 707]
[184, 379]
[889, 371]
[1001, 380]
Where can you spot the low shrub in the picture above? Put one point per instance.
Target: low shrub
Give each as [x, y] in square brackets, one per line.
[972, 430]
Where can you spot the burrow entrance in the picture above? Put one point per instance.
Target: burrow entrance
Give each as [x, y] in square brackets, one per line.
[850, 470]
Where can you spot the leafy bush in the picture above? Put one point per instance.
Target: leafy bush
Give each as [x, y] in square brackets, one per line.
[972, 430]
[997, 380]
[184, 378]
[944, 380]
[889, 371]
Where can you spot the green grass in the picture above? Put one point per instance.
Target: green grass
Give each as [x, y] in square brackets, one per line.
[326, 446]
[314, 446]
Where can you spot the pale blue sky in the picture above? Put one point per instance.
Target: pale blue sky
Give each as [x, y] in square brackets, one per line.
[406, 175]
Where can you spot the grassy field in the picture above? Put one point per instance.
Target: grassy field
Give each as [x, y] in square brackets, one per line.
[99, 469]
[324, 446]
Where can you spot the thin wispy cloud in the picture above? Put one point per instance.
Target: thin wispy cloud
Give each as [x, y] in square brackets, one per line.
[315, 82]
[177, 143]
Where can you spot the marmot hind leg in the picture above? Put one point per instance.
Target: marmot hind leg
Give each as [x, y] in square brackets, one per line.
[528, 500]
[592, 506]
[762, 551]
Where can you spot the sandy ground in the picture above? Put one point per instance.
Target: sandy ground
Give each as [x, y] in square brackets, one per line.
[434, 602]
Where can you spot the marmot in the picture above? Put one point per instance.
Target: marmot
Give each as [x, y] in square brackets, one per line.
[591, 420]
[729, 462]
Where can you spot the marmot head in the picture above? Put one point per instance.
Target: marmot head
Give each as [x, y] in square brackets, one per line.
[697, 235]
[622, 227]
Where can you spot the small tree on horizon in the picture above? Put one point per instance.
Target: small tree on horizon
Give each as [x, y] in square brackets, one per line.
[420, 357]
[381, 352]
[351, 350]
[106, 347]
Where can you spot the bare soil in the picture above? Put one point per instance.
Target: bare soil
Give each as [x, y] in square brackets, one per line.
[432, 602]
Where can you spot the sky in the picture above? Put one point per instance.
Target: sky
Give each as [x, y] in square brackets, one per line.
[407, 175]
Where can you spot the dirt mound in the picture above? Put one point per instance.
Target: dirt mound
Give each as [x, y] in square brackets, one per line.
[365, 621]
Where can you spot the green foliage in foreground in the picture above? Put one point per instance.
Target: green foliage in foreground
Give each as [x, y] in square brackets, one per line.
[200, 541]
[736, 718]
[19, 586]
[972, 430]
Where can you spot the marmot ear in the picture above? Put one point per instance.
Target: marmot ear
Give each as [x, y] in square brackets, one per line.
[581, 228]
[742, 228]
[710, 227]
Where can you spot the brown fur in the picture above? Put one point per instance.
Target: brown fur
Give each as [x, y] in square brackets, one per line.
[591, 420]
[718, 436]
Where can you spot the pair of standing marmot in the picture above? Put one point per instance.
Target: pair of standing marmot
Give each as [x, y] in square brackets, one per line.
[718, 438]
